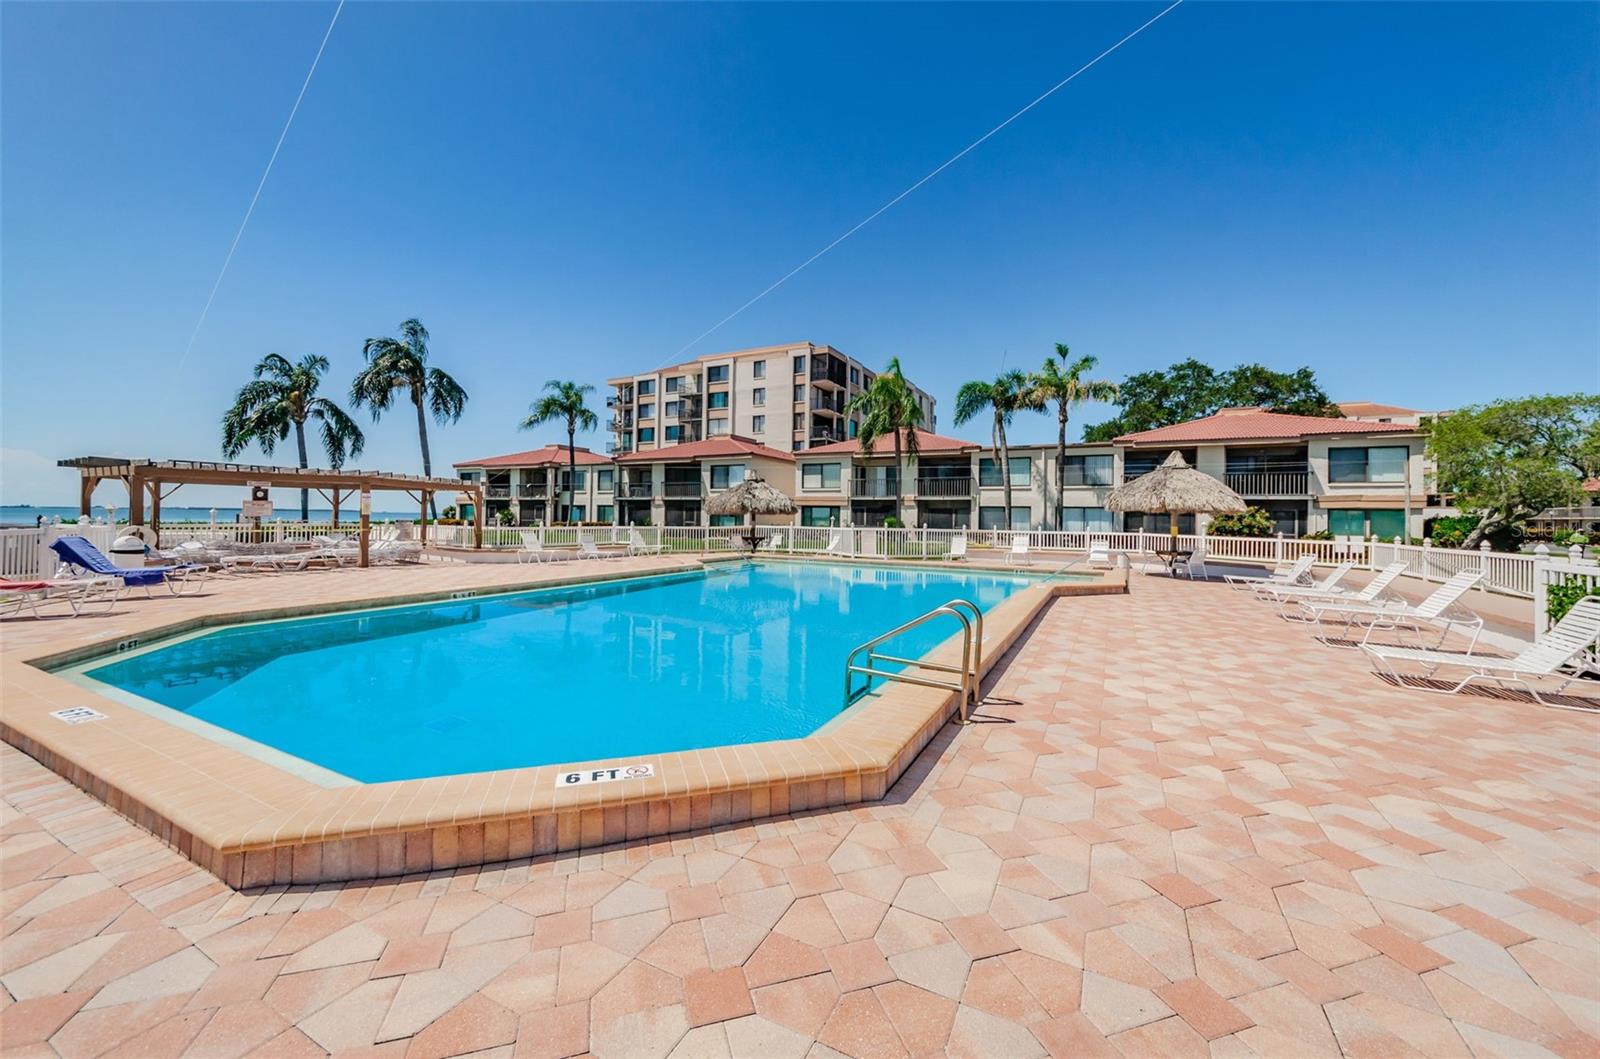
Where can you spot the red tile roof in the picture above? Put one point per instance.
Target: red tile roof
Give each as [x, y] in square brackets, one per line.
[1591, 485]
[884, 446]
[1245, 424]
[1373, 408]
[710, 448]
[550, 454]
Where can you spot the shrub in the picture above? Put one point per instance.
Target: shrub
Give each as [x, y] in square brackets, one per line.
[1318, 535]
[893, 523]
[1560, 596]
[1251, 522]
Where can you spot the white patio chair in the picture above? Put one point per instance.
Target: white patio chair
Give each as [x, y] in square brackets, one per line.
[1019, 555]
[958, 548]
[835, 542]
[1295, 574]
[1328, 586]
[78, 593]
[1100, 556]
[771, 544]
[587, 550]
[1195, 565]
[637, 545]
[1557, 655]
[533, 550]
[1398, 614]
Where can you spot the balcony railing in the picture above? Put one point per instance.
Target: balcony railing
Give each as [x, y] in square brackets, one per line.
[957, 487]
[497, 492]
[638, 491]
[1268, 483]
[619, 424]
[874, 488]
[682, 490]
[533, 490]
[617, 448]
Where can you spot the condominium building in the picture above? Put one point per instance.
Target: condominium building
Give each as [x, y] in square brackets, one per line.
[530, 487]
[786, 397]
[1348, 477]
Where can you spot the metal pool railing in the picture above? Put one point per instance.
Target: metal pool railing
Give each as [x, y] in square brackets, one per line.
[971, 660]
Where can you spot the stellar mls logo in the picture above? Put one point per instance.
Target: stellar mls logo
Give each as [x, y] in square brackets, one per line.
[605, 775]
[77, 714]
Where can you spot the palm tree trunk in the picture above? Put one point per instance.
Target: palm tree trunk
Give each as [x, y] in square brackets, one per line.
[305, 494]
[572, 469]
[1061, 465]
[1003, 453]
[899, 472]
[427, 459]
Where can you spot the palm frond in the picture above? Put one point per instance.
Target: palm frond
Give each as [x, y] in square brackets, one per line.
[446, 399]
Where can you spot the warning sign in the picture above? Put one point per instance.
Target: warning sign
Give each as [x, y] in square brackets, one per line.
[605, 774]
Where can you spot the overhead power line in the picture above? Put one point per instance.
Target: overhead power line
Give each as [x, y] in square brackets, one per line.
[946, 164]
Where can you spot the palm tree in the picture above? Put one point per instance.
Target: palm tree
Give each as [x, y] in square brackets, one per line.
[564, 402]
[888, 405]
[280, 398]
[1007, 395]
[1061, 380]
[395, 364]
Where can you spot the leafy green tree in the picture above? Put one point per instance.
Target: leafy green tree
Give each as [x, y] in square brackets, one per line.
[888, 406]
[1190, 389]
[563, 402]
[1062, 380]
[1251, 522]
[401, 364]
[280, 398]
[1003, 398]
[1508, 460]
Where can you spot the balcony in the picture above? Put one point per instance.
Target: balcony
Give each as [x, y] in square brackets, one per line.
[1268, 483]
[690, 407]
[683, 490]
[497, 492]
[620, 424]
[637, 490]
[533, 490]
[944, 487]
[874, 488]
[618, 448]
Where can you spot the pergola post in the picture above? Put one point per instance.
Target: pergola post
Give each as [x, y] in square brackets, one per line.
[366, 529]
[155, 508]
[477, 518]
[422, 523]
[336, 492]
[135, 499]
[86, 484]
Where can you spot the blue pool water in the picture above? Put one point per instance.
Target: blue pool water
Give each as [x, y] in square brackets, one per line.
[736, 655]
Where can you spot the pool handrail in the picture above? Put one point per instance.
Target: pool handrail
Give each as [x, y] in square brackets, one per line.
[971, 657]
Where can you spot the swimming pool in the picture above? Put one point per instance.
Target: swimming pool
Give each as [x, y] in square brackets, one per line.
[735, 654]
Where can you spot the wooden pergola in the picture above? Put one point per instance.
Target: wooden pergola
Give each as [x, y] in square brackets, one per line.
[159, 479]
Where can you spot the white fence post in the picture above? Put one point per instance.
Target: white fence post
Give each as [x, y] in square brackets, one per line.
[1541, 602]
[1277, 549]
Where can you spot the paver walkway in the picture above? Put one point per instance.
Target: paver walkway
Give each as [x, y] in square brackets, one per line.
[1182, 829]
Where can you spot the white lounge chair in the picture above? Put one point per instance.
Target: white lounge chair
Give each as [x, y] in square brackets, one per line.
[1018, 555]
[587, 550]
[1398, 614]
[1293, 599]
[1556, 655]
[958, 548]
[835, 542]
[771, 544]
[637, 545]
[78, 593]
[1328, 586]
[1100, 556]
[1294, 574]
[533, 550]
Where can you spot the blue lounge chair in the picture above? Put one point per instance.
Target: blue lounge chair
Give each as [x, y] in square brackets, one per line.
[80, 555]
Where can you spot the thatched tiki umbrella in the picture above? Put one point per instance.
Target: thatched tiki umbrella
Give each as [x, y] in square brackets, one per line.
[1174, 489]
[750, 498]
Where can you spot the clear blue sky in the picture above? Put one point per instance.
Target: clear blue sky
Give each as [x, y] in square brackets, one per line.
[1402, 196]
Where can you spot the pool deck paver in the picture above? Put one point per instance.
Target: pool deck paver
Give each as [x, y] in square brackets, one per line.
[1179, 827]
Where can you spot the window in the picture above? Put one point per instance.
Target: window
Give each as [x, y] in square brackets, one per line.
[1021, 471]
[1355, 522]
[717, 400]
[674, 383]
[718, 426]
[758, 424]
[758, 370]
[1090, 519]
[800, 365]
[855, 376]
[726, 477]
[647, 434]
[717, 374]
[673, 433]
[724, 520]
[799, 421]
[647, 411]
[992, 518]
[758, 395]
[571, 514]
[818, 516]
[1385, 463]
[647, 387]
[605, 513]
[819, 476]
[1137, 522]
[1086, 470]
[603, 480]
[671, 408]
[582, 479]
[799, 443]
[799, 392]
[469, 476]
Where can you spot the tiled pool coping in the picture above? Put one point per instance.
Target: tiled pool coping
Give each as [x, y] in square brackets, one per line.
[254, 824]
